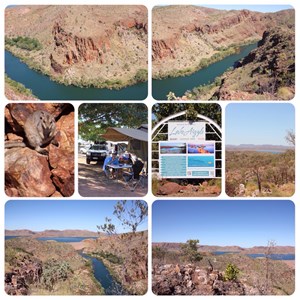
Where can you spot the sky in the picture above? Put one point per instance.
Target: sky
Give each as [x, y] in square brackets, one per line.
[258, 123]
[244, 223]
[260, 8]
[39, 215]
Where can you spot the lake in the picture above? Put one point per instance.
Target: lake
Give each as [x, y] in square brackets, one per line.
[45, 89]
[179, 85]
[57, 239]
[258, 255]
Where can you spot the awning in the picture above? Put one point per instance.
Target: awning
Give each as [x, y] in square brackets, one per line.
[125, 134]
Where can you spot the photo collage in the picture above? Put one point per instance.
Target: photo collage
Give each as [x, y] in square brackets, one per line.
[149, 149]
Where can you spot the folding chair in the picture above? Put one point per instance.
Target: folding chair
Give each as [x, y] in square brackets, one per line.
[135, 177]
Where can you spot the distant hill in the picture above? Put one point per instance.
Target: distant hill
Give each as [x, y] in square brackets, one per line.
[252, 147]
[214, 248]
[52, 233]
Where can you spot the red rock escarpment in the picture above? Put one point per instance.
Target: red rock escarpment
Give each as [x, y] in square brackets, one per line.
[71, 49]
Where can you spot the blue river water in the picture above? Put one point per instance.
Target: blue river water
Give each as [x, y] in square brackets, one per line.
[45, 89]
[179, 85]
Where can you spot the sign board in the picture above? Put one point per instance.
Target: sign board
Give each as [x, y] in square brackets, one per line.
[183, 159]
[186, 131]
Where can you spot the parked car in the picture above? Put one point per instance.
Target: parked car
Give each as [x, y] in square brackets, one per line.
[97, 152]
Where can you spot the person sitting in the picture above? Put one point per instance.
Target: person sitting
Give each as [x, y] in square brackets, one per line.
[125, 158]
[110, 160]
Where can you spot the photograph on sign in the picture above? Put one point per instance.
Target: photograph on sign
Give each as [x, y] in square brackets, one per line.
[172, 148]
[186, 131]
[201, 161]
[201, 148]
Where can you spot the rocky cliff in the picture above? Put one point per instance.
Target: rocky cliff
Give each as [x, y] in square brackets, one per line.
[27, 172]
[268, 72]
[103, 46]
[184, 35]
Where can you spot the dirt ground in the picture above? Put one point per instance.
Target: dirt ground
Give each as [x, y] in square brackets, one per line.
[92, 182]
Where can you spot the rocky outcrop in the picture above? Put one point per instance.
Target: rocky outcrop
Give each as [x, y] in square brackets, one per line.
[70, 49]
[163, 48]
[27, 172]
[28, 271]
[192, 280]
[172, 188]
[270, 69]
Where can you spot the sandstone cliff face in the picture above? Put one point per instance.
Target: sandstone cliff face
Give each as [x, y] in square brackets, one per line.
[83, 45]
[268, 72]
[30, 174]
[183, 35]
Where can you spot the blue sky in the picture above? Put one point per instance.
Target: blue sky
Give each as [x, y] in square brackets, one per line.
[244, 223]
[258, 123]
[261, 8]
[38, 215]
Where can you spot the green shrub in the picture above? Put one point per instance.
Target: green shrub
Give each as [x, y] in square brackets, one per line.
[25, 43]
[54, 271]
[141, 75]
[231, 272]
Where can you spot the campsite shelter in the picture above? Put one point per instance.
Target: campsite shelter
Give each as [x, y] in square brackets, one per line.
[137, 139]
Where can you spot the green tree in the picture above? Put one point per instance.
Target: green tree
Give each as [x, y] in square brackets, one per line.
[159, 253]
[231, 272]
[131, 214]
[93, 119]
[163, 110]
[189, 250]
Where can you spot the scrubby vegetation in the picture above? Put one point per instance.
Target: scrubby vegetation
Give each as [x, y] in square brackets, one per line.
[256, 276]
[25, 43]
[47, 267]
[250, 173]
[18, 87]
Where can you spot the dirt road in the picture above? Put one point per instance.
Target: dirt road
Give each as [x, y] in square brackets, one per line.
[93, 183]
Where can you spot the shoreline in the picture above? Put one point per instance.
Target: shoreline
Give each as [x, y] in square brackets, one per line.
[110, 84]
[204, 62]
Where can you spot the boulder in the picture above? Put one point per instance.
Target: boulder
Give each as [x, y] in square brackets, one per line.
[169, 188]
[30, 174]
[27, 172]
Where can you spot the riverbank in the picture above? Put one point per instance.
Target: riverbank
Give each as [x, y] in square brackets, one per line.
[17, 91]
[125, 257]
[215, 56]
[46, 89]
[174, 88]
[69, 78]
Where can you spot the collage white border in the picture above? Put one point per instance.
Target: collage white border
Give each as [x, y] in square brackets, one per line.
[149, 102]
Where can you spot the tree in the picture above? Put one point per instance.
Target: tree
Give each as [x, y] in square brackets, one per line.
[211, 110]
[93, 119]
[290, 137]
[159, 253]
[190, 252]
[129, 248]
[130, 213]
